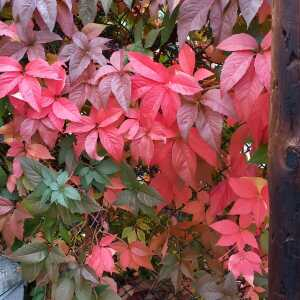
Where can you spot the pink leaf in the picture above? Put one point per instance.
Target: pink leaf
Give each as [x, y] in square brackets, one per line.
[66, 110]
[48, 11]
[209, 125]
[186, 117]
[202, 73]
[217, 103]
[145, 66]
[238, 42]
[23, 10]
[267, 41]
[235, 67]
[263, 68]
[245, 264]
[28, 128]
[6, 206]
[225, 227]
[249, 9]
[121, 88]
[40, 68]
[8, 82]
[184, 84]
[187, 59]
[30, 90]
[8, 64]
[192, 16]
[90, 145]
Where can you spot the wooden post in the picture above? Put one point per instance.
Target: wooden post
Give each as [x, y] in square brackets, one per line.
[284, 153]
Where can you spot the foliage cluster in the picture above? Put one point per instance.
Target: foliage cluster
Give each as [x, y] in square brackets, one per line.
[133, 146]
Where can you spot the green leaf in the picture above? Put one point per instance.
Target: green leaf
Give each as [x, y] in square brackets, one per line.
[64, 233]
[260, 156]
[58, 197]
[87, 10]
[66, 153]
[65, 289]
[128, 176]
[54, 259]
[170, 263]
[62, 178]
[144, 188]
[87, 179]
[83, 291]
[141, 235]
[106, 4]
[169, 26]
[3, 177]
[31, 253]
[82, 171]
[107, 167]
[264, 242]
[31, 271]
[86, 205]
[32, 170]
[129, 233]
[38, 293]
[147, 199]
[109, 295]
[103, 179]
[71, 193]
[139, 31]
[128, 198]
[151, 37]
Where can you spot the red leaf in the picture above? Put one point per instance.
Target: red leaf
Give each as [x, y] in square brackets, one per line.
[14, 226]
[243, 187]
[185, 162]
[38, 151]
[143, 149]
[112, 142]
[201, 148]
[101, 258]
